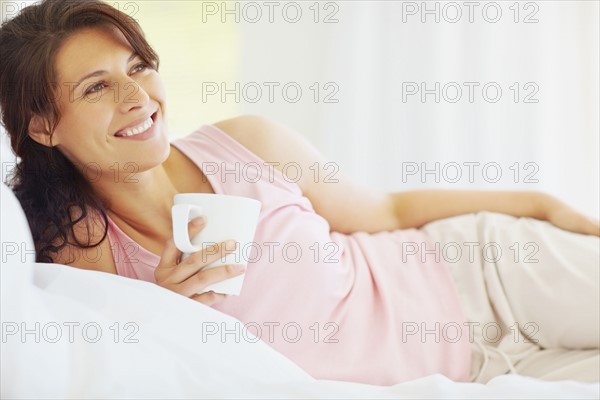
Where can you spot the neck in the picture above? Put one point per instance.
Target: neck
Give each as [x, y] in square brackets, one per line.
[143, 201]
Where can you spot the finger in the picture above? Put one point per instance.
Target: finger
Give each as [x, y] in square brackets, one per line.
[171, 254]
[164, 271]
[195, 262]
[593, 227]
[584, 225]
[213, 252]
[206, 277]
[196, 225]
[209, 298]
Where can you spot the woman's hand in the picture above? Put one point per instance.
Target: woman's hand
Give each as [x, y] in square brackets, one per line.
[566, 217]
[188, 277]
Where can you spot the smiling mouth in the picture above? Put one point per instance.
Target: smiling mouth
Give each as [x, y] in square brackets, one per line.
[138, 130]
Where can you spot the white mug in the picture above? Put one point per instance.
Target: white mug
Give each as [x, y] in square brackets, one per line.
[227, 217]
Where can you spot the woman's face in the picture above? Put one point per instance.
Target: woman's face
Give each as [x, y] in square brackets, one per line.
[125, 97]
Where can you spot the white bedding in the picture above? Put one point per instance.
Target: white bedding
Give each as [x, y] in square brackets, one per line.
[170, 358]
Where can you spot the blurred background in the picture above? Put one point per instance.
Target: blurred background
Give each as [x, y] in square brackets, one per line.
[400, 95]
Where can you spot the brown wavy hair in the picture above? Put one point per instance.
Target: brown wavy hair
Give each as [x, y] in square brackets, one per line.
[53, 193]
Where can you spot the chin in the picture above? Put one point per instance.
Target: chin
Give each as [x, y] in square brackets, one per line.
[155, 156]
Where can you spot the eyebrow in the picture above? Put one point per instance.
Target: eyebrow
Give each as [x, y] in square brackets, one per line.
[101, 72]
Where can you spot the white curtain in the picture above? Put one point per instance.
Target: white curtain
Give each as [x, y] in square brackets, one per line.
[540, 133]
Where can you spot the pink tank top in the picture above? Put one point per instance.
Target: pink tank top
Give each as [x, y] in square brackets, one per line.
[351, 307]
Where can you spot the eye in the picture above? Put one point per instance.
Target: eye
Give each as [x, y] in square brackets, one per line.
[95, 88]
[140, 67]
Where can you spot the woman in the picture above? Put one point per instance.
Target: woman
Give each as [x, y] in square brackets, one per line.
[97, 177]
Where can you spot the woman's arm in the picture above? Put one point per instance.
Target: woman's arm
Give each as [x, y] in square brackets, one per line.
[349, 206]
[416, 208]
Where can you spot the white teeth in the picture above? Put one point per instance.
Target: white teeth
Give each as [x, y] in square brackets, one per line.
[139, 129]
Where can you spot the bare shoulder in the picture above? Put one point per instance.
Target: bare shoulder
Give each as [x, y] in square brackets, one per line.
[98, 258]
[250, 130]
[273, 142]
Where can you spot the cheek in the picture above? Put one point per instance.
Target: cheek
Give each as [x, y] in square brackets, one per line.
[85, 128]
[155, 87]
[80, 133]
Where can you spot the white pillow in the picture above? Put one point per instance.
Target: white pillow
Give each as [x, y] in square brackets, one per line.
[17, 259]
[18, 252]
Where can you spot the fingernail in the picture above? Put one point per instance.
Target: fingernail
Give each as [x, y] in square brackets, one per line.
[199, 221]
[239, 267]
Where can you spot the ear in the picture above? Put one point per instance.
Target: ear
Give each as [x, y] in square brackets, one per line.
[39, 130]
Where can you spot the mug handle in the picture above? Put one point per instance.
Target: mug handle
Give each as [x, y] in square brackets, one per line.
[182, 214]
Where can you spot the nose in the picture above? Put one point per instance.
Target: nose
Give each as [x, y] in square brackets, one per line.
[132, 96]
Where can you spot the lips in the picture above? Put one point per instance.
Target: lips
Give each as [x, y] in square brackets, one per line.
[137, 127]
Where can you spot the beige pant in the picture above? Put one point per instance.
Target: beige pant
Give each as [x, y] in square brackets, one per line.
[530, 292]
